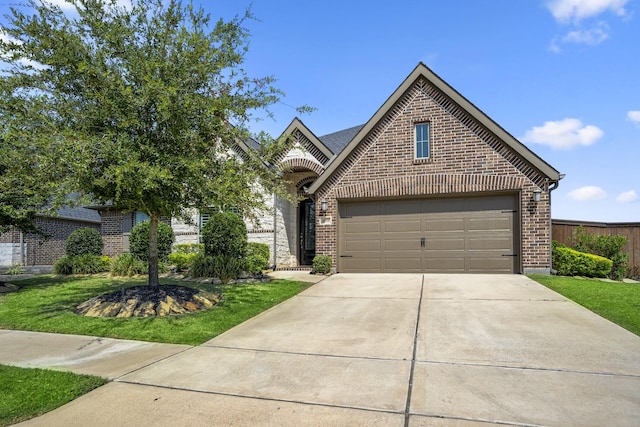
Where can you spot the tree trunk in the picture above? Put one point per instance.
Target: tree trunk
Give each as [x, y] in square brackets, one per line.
[154, 281]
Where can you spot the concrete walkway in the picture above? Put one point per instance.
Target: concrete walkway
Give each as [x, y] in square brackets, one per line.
[388, 350]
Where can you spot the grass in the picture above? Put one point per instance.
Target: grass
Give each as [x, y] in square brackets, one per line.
[28, 393]
[616, 301]
[46, 304]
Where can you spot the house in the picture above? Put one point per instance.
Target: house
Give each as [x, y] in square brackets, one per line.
[428, 184]
[43, 250]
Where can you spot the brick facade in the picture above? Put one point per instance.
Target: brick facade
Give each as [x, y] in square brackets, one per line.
[466, 158]
[39, 250]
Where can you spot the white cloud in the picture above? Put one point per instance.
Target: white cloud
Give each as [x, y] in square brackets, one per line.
[563, 134]
[589, 192]
[591, 37]
[68, 7]
[565, 11]
[634, 116]
[627, 197]
[62, 4]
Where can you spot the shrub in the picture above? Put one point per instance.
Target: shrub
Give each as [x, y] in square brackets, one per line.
[105, 263]
[84, 241]
[605, 246]
[322, 264]
[128, 265]
[139, 241]
[257, 258]
[87, 264]
[226, 269]
[181, 261]
[63, 265]
[200, 266]
[81, 264]
[225, 235]
[569, 262]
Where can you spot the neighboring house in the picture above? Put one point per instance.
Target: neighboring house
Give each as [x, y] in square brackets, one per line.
[36, 250]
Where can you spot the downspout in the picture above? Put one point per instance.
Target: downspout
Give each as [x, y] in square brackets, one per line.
[275, 232]
[555, 185]
[22, 250]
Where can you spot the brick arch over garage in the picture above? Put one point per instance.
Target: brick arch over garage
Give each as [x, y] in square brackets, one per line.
[297, 164]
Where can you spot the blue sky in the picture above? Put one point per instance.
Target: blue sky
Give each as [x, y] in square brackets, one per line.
[562, 76]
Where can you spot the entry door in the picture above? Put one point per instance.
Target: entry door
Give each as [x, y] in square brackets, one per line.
[307, 231]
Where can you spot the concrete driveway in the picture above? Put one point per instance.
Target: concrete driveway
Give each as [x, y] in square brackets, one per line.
[389, 350]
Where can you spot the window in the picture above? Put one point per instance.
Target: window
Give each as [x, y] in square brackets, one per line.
[139, 217]
[205, 215]
[422, 140]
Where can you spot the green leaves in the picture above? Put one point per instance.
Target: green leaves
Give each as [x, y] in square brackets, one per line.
[142, 107]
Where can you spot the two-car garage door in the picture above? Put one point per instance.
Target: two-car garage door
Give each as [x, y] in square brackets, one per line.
[449, 235]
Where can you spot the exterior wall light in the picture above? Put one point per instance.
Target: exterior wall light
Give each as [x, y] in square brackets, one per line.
[536, 195]
[324, 205]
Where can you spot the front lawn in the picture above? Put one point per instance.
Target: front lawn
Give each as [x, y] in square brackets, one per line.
[616, 301]
[46, 304]
[28, 393]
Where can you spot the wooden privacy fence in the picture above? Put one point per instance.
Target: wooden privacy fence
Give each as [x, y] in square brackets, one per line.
[563, 230]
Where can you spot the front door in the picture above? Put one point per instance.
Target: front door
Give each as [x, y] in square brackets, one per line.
[307, 232]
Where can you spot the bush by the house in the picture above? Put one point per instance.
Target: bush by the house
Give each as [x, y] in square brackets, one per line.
[605, 246]
[224, 268]
[184, 254]
[127, 265]
[84, 241]
[139, 241]
[570, 262]
[257, 258]
[82, 264]
[225, 235]
[322, 264]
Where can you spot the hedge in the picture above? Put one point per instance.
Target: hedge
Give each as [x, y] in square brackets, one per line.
[570, 262]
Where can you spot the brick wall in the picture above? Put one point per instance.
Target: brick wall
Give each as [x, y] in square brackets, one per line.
[45, 251]
[112, 232]
[465, 159]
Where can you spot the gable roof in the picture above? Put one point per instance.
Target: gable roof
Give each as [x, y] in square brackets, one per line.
[423, 71]
[296, 124]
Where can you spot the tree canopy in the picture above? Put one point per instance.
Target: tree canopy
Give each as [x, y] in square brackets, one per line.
[140, 107]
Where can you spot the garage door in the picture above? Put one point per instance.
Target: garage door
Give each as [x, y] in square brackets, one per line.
[449, 235]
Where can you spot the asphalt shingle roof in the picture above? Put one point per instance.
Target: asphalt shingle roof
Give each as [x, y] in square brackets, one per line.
[336, 141]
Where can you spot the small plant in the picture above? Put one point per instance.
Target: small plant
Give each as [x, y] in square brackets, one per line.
[127, 265]
[63, 265]
[84, 241]
[225, 269]
[81, 264]
[257, 258]
[15, 269]
[181, 261]
[322, 264]
[225, 235]
[139, 241]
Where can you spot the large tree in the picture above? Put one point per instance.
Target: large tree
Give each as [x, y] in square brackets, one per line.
[144, 105]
